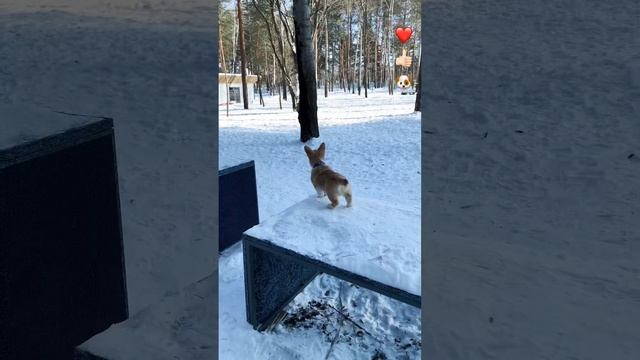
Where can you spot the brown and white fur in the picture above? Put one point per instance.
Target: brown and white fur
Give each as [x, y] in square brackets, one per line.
[325, 180]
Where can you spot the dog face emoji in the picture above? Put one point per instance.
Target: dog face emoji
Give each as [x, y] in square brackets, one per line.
[404, 82]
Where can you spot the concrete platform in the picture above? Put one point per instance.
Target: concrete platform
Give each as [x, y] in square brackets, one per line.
[372, 244]
[62, 275]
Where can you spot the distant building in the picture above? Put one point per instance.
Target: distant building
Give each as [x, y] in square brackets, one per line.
[235, 88]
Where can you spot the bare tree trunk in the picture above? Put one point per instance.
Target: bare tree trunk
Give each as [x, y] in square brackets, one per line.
[385, 56]
[343, 55]
[326, 56]
[413, 65]
[404, 13]
[280, 96]
[275, 83]
[235, 45]
[375, 52]
[284, 57]
[314, 36]
[339, 62]
[308, 107]
[364, 35]
[418, 81]
[350, 75]
[315, 56]
[266, 67]
[356, 62]
[243, 58]
[285, 34]
[281, 60]
[260, 91]
[333, 62]
[360, 58]
[390, 36]
[224, 67]
[378, 32]
[284, 89]
[287, 29]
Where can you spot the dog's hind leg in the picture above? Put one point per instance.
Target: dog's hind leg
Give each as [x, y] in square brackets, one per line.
[348, 197]
[334, 200]
[346, 192]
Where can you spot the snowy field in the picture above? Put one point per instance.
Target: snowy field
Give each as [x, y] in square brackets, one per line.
[375, 142]
[179, 326]
[532, 155]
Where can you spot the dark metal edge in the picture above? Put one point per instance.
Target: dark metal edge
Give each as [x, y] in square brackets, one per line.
[228, 170]
[250, 302]
[53, 143]
[120, 231]
[373, 285]
[81, 354]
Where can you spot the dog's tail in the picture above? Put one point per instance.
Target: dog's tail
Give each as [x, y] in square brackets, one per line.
[340, 179]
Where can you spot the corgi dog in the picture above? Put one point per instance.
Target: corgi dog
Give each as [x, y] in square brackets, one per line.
[325, 180]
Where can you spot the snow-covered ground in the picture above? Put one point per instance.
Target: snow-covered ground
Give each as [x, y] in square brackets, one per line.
[376, 159]
[375, 142]
[532, 156]
[145, 64]
[179, 326]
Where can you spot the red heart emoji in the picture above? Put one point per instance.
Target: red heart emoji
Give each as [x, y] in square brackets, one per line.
[404, 34]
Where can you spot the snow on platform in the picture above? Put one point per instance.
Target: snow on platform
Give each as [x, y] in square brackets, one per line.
[181, 326]
[373, 239]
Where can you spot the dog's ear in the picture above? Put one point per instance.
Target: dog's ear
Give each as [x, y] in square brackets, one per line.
[308, 150]
[320, 150]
